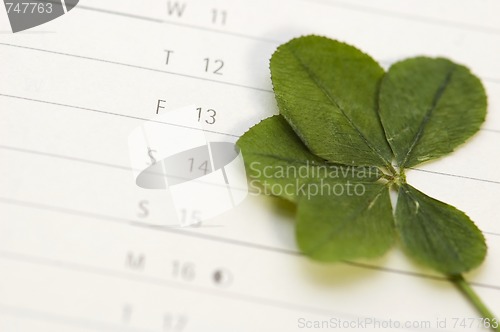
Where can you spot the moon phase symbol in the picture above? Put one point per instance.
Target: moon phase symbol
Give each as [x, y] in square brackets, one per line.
[222, 277]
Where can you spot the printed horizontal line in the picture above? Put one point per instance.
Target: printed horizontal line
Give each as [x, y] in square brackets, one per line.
[139, 67]
[215, 132]
[218, 239]
[487, 79]
[113, 114]
[349, 6]
[418, 18]
[180, 24]
[37, 315]
[105, 272]
[120, 167]
[455, 175]
[491, 130]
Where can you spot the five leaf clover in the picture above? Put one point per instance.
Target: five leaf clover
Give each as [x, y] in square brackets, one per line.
[341, 113]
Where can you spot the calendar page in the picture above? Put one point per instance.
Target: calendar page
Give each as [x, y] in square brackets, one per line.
[99, 98]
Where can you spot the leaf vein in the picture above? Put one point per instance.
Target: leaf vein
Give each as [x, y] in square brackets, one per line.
[325, 91]
[353, 216]
[428, 114]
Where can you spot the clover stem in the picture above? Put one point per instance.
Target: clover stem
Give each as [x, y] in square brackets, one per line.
[402, 176]
[467, 290]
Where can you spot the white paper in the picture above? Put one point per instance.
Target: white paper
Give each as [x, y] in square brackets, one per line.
[83, 248]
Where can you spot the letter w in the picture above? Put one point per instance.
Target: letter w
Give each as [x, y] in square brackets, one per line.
[176, 8]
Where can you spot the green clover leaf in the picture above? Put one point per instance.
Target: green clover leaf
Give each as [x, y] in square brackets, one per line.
[345, 134]
[428, 107]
